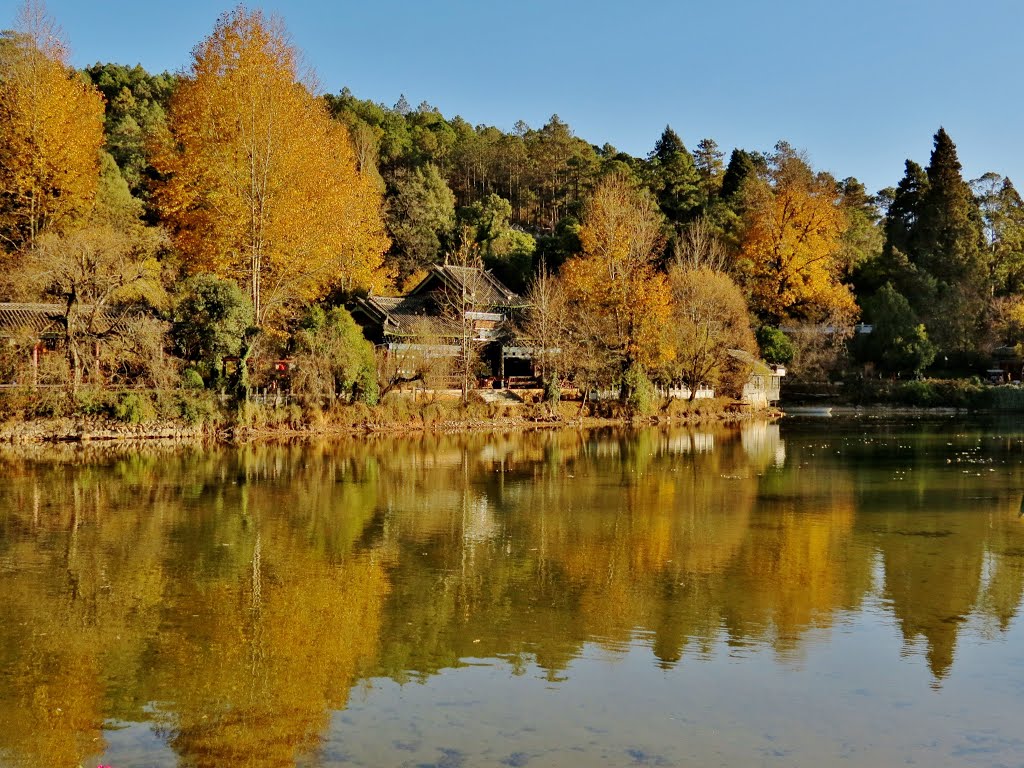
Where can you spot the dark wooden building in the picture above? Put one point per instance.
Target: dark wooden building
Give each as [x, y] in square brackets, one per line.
[451, 306]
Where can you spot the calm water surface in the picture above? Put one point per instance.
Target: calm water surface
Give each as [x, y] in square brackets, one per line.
[807, 594]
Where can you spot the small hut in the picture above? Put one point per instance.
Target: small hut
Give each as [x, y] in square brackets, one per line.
[763, 386]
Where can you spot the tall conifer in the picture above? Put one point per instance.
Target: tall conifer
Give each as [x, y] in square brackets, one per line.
[676, 180]
[949, 246]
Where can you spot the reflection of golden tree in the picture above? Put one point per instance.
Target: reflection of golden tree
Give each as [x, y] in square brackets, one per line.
[589, 536]
[129, 547]
[272, 650]
[799, 563]
[51, 689]
[273, 617]
[72, 627]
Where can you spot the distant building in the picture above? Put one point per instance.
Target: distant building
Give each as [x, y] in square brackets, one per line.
[42, 321]
[35, 328]
[763, 385]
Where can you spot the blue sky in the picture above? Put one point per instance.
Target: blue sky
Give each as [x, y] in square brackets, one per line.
[861, 86]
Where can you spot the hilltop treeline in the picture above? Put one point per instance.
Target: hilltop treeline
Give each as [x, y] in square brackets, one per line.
[225, 210]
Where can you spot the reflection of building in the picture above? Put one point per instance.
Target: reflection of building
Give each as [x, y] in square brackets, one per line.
[762, 443]
[451, 306]
[689, 442]
[763, 385]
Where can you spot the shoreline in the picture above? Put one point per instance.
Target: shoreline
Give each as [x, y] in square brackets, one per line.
[103, 430]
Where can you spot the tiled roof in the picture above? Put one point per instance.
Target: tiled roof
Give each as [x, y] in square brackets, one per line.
[35, 318]
[419, 313]
[46, 319]
[759, 367]
[484, 288]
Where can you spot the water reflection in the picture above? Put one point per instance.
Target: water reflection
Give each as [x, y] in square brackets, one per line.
[232, 598]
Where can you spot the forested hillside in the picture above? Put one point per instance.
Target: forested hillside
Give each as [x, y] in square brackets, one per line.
[216, 211]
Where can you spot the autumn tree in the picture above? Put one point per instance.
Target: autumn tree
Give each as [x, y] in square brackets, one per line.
[544, 328]
[709, 317]
[792, 244]
[618, 300]
[104, 274]
[51, 130]
[696, 245]
[99, 275]
[261, 185]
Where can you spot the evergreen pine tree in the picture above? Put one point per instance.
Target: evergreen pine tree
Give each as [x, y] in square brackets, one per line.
[675, 179]
[741, 164]
[901, 219]
[948, 245]
[708, 160]
[667, 146]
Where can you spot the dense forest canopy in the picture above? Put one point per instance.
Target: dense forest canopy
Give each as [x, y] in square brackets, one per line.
[238, 170]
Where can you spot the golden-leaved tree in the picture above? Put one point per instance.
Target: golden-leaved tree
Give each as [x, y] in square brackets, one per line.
[619, 301]
[709, 318]
[792, 244]
[261, 186]
[51, 131]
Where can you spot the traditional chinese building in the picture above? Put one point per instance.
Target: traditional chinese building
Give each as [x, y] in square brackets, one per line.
[451, 307]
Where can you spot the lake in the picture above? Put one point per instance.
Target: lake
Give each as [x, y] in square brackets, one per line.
[809, 593]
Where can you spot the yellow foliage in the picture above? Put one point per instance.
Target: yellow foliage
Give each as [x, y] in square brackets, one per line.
[262, 186]
[618, 296]
[792, 246]
[51, 131]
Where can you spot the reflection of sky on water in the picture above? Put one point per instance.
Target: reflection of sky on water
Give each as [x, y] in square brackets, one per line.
[848, 700]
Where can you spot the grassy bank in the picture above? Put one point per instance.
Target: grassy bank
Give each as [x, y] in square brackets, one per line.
[199, 414]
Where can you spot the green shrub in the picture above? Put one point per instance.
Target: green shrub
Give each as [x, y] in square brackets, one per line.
[433, 413]
[94, 402]
[641, 395]
[191, 379]
[1005, 398]
[938, 393]
[134, 408]
[52, 403]
[917, 393]
[197, 408]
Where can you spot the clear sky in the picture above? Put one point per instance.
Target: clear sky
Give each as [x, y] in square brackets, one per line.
[861, 86]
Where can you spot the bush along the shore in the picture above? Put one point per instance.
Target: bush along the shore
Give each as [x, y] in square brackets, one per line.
[963, 394]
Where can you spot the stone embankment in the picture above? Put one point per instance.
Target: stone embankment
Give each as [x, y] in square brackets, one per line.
[88, 429]
[98, 429]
